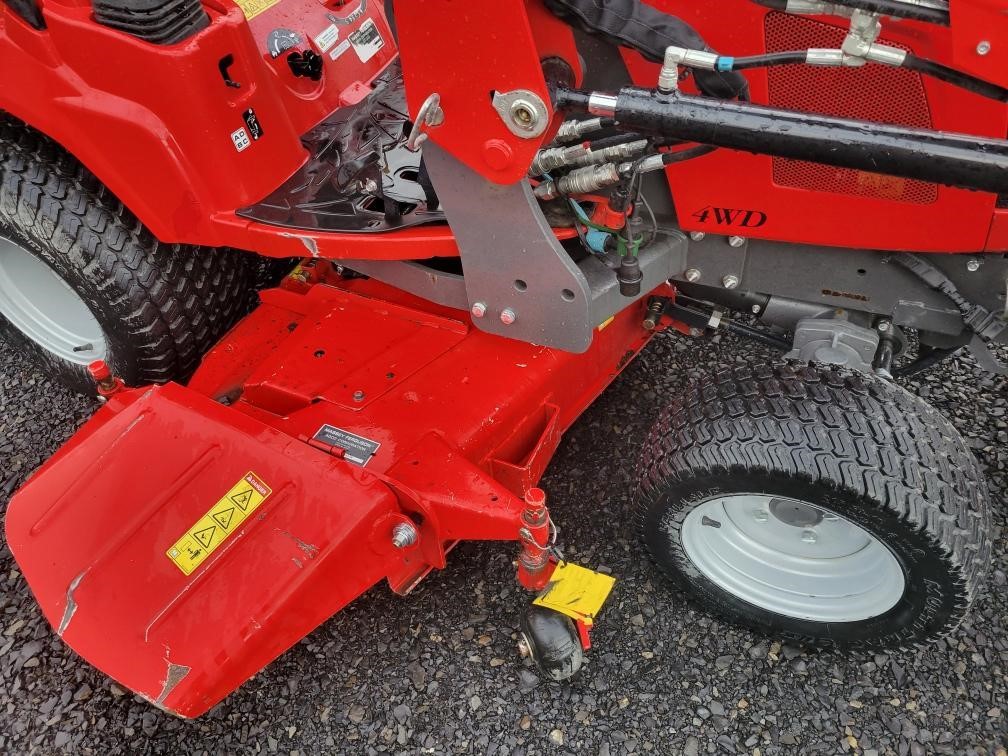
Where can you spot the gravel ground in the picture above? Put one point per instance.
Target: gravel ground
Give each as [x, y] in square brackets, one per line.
[437, 672]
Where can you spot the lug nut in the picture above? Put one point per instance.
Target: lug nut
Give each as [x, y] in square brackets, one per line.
[508, 316]
[403, 535]
[736, 241]
[692, 275]
[730, 281]
[809, 536]
[478, 309]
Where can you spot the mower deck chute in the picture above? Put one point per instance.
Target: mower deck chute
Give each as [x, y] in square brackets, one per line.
[188, 536]
[173, 471]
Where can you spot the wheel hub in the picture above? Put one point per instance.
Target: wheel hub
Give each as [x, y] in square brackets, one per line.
[44, 308]
[792, 558]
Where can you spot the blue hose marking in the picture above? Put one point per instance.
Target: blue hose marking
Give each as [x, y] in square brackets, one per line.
[725, 63]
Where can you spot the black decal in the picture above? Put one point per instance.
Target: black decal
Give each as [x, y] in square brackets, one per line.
[730, 216]
[254, 127]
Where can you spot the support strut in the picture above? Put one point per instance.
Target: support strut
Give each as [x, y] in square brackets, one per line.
[966, 161]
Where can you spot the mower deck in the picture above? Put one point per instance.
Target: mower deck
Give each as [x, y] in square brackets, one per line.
[185, 537]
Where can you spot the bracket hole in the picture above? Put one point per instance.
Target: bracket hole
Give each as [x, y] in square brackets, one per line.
[862, 272]
[568, 295]
[520, 285]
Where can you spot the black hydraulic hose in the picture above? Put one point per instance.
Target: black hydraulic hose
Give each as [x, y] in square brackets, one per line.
[925, 361]
[957, 78]
[894, 8]
[961, 160]
[770, 59]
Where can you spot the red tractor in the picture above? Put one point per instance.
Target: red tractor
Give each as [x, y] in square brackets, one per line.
[462, 221]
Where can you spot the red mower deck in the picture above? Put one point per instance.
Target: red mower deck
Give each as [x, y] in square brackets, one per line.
[353, 410]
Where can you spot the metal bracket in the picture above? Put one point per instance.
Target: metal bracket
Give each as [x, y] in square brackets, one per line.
[429, 116]
[520, 281]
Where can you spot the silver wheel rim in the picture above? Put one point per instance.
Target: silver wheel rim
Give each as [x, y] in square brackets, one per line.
[44, 308]
[792, 558]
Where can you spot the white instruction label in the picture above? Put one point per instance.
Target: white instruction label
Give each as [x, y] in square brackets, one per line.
[328, 38]
[241, 139]
[367, 41]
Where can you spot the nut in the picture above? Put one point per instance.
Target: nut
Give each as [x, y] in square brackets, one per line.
[478, 309]
[403, 535]
[736, 241]
[983, 47]
[692, 275]
[730, 281]
[508, 316]
[697, 235]
[972, 265]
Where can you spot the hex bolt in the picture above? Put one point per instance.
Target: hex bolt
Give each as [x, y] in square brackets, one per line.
[984, 47]
[972, 265]
[697, 236]
[809, 536]
[358, 396]
[756, 309]
[692, 275]
[478, 310]
[403, 535]
[730, 281]
[883, 326]
[507, 316]
[736, 241]
[760, 515]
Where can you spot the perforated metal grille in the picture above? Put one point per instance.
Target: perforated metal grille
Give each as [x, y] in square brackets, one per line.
[873, 93]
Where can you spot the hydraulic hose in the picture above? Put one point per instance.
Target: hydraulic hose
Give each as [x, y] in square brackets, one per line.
[957, 78]
[936, 13]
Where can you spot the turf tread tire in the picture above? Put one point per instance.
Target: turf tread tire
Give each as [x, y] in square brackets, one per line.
[162, 306]
[838, 429]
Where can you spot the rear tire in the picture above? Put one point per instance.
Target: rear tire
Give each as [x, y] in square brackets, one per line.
[818, 455]
[156, 308]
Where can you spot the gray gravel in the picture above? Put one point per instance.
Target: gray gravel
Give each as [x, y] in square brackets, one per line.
[436, 672]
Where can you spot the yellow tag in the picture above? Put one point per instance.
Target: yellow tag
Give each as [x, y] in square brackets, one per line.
[252, 8]
[577, 592]
[605, 323]
[223, 519]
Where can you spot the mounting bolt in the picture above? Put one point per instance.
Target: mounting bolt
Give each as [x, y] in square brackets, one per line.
[972, 265]
[697, 236]
[403, 535]
[692, 275]
[736, 241]
[478, 309]
[730, 281]
[883, 326]
[507, 316]
[809, 536]
[760, 515]
[984, 47]
[756, 309]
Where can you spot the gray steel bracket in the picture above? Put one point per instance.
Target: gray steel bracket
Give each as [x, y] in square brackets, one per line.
[513, 262]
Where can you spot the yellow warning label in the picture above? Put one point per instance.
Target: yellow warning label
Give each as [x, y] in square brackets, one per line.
[252, 8]
[576, 591]
[223, 519]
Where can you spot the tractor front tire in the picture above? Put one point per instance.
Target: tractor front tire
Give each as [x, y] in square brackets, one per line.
[81, 279]
[817, 505]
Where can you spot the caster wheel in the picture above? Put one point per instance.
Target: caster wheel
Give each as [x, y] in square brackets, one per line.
[551, 640]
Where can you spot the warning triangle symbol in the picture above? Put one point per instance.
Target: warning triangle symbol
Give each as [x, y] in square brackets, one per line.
[242, 498]
[205, 536]
[224, 517]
